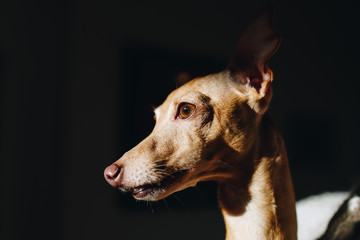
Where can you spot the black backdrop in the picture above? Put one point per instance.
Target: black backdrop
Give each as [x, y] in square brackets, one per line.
[79, 80]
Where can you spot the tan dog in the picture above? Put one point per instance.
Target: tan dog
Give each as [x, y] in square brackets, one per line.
[216, 128]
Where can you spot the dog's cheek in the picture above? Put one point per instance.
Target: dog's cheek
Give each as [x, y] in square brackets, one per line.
[205, 127]
[187, 152]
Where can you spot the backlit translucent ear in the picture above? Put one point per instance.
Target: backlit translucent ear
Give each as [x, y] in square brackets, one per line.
[257, 44]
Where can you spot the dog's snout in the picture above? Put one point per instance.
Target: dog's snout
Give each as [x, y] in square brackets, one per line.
[112, 175]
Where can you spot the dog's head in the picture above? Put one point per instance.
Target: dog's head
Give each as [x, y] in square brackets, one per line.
[206, 128]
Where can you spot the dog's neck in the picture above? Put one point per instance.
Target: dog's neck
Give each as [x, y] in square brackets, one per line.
[261, 205]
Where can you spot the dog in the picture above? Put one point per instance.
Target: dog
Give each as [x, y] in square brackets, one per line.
[215, 128]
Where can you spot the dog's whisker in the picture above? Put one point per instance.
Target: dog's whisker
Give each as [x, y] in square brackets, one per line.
[181, 202]
[227, 164]
[151, 207]
[160, 170]
[166, 204]
[161, 165]
[163, 173]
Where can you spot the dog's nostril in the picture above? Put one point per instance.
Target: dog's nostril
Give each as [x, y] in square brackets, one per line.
[112, 171]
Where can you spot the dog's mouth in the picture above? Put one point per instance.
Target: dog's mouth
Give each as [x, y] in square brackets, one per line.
[157, 190]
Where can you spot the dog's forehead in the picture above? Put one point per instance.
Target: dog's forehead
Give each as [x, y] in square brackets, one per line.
[202, 90]
[211, 86]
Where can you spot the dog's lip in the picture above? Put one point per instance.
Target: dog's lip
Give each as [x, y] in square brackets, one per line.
[143, 191]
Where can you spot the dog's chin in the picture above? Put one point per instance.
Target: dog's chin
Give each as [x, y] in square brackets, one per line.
[152, 194]
[158, 190]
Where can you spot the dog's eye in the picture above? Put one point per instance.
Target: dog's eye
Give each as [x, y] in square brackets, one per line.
[186, 110]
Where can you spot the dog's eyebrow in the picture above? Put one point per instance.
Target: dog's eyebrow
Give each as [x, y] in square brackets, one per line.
[205, 99]
[198, 96]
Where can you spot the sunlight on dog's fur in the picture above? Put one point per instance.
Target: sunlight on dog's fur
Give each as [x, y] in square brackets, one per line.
[215, 128]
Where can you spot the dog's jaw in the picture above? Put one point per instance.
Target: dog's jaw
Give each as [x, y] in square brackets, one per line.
[160, 189]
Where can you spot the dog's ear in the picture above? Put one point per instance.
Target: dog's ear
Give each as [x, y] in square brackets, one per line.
[248, 65]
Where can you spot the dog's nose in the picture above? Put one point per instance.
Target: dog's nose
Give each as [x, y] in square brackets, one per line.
[112, 175]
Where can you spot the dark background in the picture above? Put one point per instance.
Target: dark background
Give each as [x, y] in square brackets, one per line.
[79, 80]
